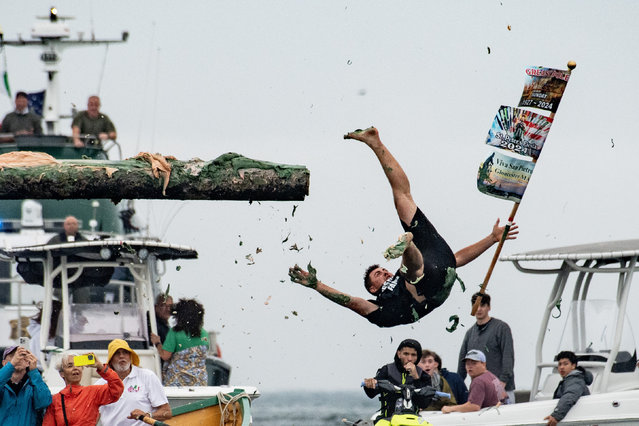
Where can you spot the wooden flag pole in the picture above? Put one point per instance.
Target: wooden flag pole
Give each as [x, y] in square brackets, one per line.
[482, 290]
[571, 66]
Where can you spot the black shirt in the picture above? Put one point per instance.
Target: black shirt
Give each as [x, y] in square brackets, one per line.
[396, 305]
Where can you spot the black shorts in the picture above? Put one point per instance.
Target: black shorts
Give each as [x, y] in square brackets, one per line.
[437, 255]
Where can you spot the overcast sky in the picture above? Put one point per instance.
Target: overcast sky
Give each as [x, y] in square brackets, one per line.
[284, 80]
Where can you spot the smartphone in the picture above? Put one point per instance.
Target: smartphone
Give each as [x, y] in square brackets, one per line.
[23, 342]
[81, 360]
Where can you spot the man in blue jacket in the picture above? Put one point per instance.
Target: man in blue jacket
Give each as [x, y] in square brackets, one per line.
[24, 395]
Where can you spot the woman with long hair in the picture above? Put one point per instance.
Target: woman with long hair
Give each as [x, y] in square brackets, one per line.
[184, 349]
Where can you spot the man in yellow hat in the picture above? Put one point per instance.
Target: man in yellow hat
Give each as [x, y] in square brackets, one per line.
[143, 392]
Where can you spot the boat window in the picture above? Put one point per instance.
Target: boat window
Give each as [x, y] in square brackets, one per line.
[120, 289]
[589, 330]
[94, 325]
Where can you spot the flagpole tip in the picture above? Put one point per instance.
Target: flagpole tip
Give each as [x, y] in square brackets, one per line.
[572, 65]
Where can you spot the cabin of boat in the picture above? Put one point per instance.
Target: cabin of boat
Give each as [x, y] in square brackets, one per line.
[586, 312]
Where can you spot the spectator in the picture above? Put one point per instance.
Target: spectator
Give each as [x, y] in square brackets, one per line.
[185, 347]
[21, 121]
[493, 337]
[143, 392]
[574, 385]
[34, 329]
[403, 370]
[485, 388]
[24, 396]
[431, 364]
[163, 310]
[92, 122]
[70, 233]
[77, 405]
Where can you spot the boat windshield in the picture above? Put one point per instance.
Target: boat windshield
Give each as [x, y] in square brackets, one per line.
[589, 331]
[100, 314]
[94, 325]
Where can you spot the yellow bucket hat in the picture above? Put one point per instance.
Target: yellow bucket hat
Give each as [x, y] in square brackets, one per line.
[122, 344]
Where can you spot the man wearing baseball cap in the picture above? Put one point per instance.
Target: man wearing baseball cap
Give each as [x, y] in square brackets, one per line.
[485, 388]
[143, 392]
[23, 395]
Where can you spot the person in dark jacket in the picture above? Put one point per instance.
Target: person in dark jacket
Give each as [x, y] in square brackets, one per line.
[574, 385]
[403, 370]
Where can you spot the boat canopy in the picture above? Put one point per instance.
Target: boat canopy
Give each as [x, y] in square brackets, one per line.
[96, 250]
[596, 327]
[596, 251]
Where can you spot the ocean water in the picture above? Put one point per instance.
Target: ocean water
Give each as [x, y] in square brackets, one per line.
[302, 408]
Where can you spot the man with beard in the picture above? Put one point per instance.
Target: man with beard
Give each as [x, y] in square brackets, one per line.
[143, 392]
[403, 370]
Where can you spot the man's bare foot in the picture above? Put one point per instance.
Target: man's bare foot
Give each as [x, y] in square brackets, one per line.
[369, 136]
[398, 249]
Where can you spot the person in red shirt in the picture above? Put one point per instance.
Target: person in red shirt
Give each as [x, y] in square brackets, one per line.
[78, 405]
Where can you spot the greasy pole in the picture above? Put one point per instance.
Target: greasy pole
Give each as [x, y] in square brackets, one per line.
[482, 290]
[571, 66]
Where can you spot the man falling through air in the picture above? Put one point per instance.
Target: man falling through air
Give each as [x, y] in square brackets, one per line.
[427, 273]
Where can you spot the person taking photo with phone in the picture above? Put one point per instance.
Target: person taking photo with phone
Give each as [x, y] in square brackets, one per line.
[23, 394]
[77, 404]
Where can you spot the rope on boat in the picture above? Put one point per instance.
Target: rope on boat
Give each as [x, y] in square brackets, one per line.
[229, 401]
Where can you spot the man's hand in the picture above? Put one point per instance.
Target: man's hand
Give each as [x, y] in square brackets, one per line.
[551, 421]
[32, 360]
[78, 143]
[19, 359]
[446, 409]
[370, 383]
[135, 414]
[300, 276]
[412, 370]
[498, 231]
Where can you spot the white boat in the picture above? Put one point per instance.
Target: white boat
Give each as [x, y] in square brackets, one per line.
[107, 285]
[588, 305]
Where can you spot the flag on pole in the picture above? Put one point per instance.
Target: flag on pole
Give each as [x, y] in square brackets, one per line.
[5, 73]
[36, 102]
[544, 88]
[5, 79]
[519, 131]
[505, 177]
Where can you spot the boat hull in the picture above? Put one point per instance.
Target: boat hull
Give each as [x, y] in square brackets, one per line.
[613, 408]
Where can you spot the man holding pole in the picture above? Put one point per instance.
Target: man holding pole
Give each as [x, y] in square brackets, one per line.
[427, 273]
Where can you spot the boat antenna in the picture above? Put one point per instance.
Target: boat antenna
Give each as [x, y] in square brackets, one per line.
[104, 59]
[170, 220]
[146, 82]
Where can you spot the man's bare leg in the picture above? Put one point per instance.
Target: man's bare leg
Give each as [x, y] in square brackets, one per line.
[398, 180]
[412, 260]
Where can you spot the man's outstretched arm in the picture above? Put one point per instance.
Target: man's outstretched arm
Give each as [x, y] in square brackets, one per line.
[472, 252]
[309, 279]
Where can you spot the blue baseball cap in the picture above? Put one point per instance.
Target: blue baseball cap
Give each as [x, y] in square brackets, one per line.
[475, 355]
